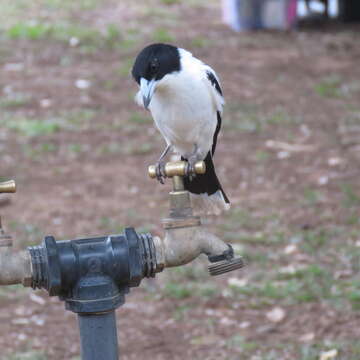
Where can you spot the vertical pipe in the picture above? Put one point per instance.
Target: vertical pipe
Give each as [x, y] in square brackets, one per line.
[98, 336]
[178, 183]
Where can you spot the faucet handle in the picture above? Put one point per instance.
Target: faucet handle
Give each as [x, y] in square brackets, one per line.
[178, 168]
[7, 187]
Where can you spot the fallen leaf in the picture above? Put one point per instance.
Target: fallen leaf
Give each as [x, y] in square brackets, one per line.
[233, 281]
[82, 84]
[276, 315]
[290, 249]
[328, 355]
[37, 299]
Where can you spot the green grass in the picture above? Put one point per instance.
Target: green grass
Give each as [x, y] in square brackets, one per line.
[347, 349]
[353, 218]
[38, 151]
[312, 196]
[248, 118]
[311, 241]
[200, 42]
[351, 198]
[32, 234]
[191, 280]
[30, 355]
[195, 272]
[15, 101]
[70, 5]
[124, 70]
[177, 290]
[162, 35]
[110, 148]
[140, 119]
[29, 31]
[31, 127]
[262, 156]
[87, 36]
[170, 2]
[34, 127]
[329, 87]
[139, 149]
[238, 341]
[14, 12]
[110, 225]
[242, 218]
[180, 312]
[311, 288]
[279, 117]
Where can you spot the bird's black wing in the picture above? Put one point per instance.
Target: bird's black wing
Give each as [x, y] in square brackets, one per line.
[210, 74]
[216, 133]
[214, 82]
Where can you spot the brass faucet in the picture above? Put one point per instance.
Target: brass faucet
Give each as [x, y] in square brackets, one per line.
[181, 214]
[6, 187]
[185, 237]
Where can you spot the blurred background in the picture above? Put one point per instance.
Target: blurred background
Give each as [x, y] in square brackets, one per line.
[288, 156]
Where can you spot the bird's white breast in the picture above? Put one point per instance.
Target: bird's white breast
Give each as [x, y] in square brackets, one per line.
[184, 110]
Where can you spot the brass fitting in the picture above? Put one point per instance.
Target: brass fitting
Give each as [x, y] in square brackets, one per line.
[15, 267]
[178, 168]
[185, 239]
[181, 214]
[6, 187]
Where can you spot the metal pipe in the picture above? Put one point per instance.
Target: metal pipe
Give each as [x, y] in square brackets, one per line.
[98, 336]
[15, 267]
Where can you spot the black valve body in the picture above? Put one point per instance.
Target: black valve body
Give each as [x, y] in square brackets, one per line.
[93, 275]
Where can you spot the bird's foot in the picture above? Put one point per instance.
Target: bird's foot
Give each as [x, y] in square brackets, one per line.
[191, 167]
[160, 171]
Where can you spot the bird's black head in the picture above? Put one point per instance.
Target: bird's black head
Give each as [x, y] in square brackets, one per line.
[155, 61]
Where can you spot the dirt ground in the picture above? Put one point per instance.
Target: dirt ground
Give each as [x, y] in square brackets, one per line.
[288, 157]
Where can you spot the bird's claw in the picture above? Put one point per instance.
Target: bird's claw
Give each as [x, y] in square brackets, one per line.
[191, 169]
[160, 171]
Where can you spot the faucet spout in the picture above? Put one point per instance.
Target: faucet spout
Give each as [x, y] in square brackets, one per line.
[182, 245]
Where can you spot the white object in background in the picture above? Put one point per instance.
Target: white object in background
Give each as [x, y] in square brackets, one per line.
[317, 6]
[231, 14]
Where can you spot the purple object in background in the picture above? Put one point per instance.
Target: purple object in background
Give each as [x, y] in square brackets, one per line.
[292, 13]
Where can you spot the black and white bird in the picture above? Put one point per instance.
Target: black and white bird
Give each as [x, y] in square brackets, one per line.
[186, 103]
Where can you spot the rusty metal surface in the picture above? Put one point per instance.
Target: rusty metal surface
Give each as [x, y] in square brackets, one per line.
[15, 267]
[182, 245]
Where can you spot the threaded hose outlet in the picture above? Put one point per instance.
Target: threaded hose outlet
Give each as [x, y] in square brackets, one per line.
[225, 266]
[38, 264]
[149, 254]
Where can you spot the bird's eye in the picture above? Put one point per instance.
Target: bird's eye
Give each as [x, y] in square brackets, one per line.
[154, 65]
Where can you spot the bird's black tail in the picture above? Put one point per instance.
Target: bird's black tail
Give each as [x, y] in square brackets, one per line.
[207, 183]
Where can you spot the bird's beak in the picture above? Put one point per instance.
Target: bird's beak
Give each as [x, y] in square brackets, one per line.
[147, 88]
